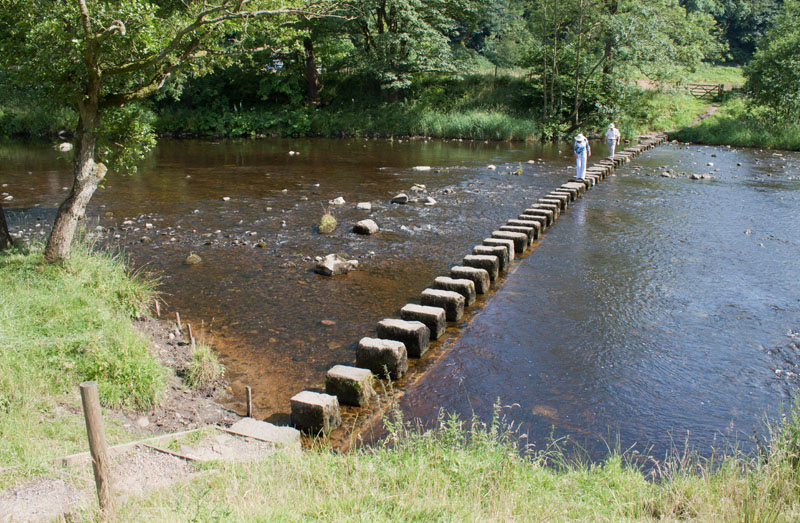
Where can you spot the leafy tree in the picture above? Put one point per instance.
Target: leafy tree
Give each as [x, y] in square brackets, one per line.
[104, 57]
[585, 46]
[773, 75]
[742, 22]
[392, 39]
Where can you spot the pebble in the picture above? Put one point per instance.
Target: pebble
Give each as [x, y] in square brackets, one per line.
[226, 198]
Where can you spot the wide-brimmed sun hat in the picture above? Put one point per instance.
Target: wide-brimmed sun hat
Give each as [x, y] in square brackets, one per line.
[580, 137]
[611, 126]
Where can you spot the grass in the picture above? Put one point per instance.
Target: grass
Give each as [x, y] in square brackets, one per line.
[652, 110]
[205, 369]
[61, 325]
[733, 124]
[472, 472]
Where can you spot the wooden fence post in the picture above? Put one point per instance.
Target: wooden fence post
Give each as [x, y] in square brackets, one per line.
[97, 444]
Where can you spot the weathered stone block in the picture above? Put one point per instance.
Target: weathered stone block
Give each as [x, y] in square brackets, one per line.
[530, 232]
[466, 288]
[536, 224]
[382, 356]
[433, 317]
[549, 207]
[479, 277]
[352, 385]
[284, 437]
[501, 251]
[578, 186]
[562, 198]
[548, 215]
[451, 302]
[366, 227]
[499, 242]
[490, 264]
[414, 335]
[543, 222]
[520, 240]
[314, 412]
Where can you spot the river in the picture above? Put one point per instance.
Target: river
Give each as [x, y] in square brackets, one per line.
[655, 308]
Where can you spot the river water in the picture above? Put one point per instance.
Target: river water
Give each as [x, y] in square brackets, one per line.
[655, 307]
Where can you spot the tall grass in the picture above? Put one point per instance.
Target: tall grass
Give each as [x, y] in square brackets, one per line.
[473, 472]
[733, 124]
[61, 325]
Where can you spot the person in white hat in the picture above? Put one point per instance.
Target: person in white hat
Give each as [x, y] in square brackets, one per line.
[582, 153]
[612, 139]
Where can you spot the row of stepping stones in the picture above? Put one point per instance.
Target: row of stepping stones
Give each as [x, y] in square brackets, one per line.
[409, 336]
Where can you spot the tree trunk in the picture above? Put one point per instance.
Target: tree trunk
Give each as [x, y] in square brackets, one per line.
[576, 104]
[6, 242]
[312, 81]
[88, 175]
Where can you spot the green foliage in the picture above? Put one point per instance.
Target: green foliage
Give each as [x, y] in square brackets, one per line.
[738, 125]
[468, 471]
[61, 325]
[742, 22]
[392, 40]
[773, 75]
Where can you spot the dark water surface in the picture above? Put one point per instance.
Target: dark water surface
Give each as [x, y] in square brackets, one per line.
[658, 309]
[655, 306]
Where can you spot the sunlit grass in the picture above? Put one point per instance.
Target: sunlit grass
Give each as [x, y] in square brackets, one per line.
[473, 472]
[61, 325]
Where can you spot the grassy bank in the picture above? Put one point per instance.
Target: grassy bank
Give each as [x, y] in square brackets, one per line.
[457, 474]
[734, 125]
[59, 326]
[480, 107]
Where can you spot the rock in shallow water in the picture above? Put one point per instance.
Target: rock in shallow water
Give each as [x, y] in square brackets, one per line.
[333, 264]
[366, 227]
[400, 198]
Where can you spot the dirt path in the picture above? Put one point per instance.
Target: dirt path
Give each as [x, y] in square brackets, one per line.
[140, 467]
[711, 110]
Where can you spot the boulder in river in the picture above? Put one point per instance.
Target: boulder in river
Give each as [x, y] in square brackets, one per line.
[364, 206]
[337, 201]
[327, 224]
[400, 198]
[192, 259]
[333, 264]
[366, 227]
[422, 168]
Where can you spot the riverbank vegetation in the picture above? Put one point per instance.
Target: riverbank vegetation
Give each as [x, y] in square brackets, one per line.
[473, 472]
[61, 324]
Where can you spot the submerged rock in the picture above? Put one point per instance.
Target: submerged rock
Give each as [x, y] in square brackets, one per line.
[192, 259]
[333, 264]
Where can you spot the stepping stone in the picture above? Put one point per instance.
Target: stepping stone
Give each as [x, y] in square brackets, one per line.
[478, 276]
[494, 250]
[490, 264]
[535, 224]
[530, 232]
[466, 288]
[499, 242]
[382, 356]
[520, 239]
[414, 335]
[432, 317]
[564, 198]
[314, 412]
[352, 385]
[540, 219]
[451, 302]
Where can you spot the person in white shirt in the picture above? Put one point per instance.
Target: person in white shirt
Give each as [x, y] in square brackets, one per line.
[582, 152]
[612, 139]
